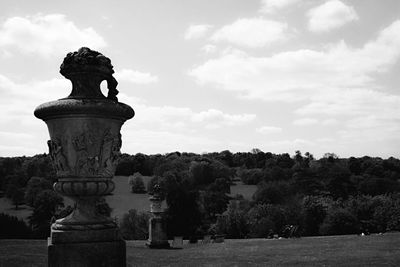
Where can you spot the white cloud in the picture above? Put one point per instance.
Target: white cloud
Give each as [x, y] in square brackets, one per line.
[268, 130]
[302, 74]
[209, 48]
[168, 128]
[330, 15]
[134, 76]
[170, 118]
[252, 32]
[22, 133]
[329, 122]
[356, 102]
[305, 121]
[325, 140]
[271, 6]
[197, 31]
[216, 118]
[46, 35]
[336, 86]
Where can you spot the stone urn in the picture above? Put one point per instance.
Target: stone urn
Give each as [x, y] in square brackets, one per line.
[157, 228]
[84, 146]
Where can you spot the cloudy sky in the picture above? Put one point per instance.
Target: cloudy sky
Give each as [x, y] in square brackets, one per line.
[203, 76]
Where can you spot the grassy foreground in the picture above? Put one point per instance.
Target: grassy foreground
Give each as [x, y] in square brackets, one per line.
[374, 250]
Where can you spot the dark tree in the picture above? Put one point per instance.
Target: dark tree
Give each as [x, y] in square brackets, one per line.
[34, 187]
[373, 185]
[251, 176]
[183, 212]
[276, 192]
[45, 207]
[307, 182]
[340, 221]
[214, 203]
[201, 173]
[314, 212]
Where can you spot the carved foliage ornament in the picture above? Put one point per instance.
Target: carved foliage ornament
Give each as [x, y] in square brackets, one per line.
[86, 69]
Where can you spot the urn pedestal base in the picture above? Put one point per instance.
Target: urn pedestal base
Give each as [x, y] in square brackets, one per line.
[87, 248]
[157, 234]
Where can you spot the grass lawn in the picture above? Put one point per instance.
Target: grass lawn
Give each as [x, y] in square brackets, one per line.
[122, 200]
[23, 211]
[247, 191]
[351, 250]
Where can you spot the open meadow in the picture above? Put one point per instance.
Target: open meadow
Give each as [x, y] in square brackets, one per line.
[350, 250]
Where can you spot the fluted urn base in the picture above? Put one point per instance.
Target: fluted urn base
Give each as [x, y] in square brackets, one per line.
[85, 192]
[84, 217]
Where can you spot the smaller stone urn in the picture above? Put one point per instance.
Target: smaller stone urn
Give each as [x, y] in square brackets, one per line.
[84, 146]
[157, 227]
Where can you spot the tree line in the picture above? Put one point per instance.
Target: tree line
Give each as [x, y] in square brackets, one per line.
[325, 196]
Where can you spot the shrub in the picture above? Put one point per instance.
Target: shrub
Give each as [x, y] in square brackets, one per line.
[260, 221]
[233, 223]
[339, 221]
[137, 184]
[134, 225]
[275, 192]
[387, 212]
[45, 207]
[314, 209]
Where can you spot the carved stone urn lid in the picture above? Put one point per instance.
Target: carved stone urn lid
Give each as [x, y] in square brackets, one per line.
[86, 69]
[85, 60]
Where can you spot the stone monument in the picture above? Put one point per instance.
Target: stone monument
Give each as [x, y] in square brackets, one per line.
[157, 228]
[84, 146]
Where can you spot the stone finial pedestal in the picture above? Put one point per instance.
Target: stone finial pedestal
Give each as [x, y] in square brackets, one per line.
[84, 146]
[157, 228]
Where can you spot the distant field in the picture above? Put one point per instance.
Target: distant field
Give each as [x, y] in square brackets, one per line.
[246, 191]
[23, 211]
[351, 250]
[122, 199]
